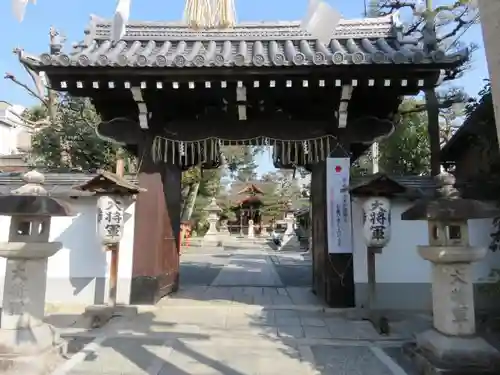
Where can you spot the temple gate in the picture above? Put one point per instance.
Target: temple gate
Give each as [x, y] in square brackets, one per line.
[173, 96]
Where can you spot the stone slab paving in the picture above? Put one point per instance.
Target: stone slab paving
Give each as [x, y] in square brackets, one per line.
[348, 361]
[250, 295]
[242, 322]
[232, 340]
[248, 270]
[201, 269]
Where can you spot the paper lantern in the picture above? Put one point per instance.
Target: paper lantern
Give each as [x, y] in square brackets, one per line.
[110, 220]
[377, 221]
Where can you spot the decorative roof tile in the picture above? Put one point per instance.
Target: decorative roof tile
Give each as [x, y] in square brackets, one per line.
[173, 45]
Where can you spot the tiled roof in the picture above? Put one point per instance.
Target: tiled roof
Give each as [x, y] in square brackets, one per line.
[155, 44]
[56, 184]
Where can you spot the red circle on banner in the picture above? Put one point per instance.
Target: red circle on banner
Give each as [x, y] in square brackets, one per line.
[338, 168]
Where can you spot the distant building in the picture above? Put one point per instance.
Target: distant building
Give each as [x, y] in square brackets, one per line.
[15, 138]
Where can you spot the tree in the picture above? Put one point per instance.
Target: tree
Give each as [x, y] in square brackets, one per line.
[407, 151]
[240, 161]
[64, 130]
[72, 134]
[199, 186]
[435, 27]
[280, 188]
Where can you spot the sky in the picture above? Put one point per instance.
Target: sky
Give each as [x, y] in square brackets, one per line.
[70, 17]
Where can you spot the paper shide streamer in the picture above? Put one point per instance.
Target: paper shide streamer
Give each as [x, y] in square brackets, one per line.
[320, 20]
[19, 8]
[209, 150]
[210, 14]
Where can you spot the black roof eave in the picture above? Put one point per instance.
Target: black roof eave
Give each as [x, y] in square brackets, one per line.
[460, 137]
[293, 69]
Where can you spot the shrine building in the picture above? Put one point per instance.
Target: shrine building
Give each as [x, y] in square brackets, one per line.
[174, 96]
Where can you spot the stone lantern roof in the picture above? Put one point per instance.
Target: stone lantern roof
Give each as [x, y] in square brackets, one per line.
[213, 206]
[448, 205]
[32, 199]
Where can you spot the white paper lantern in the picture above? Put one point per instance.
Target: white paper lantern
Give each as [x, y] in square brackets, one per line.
[110, 220]
[377, 221]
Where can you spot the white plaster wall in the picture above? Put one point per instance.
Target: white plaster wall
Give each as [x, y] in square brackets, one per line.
[78, 272]
[400, 262]
[403, 277]
[7, 139]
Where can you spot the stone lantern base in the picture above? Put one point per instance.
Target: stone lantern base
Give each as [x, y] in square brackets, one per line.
[435, 353]
[28, 341]
[22, 329]
[290, 243]
[452, 348]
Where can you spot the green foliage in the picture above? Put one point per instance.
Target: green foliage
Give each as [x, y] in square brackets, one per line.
[280, 187]
[240, 165]
[70, 141]
[241, 161]
[407, 150]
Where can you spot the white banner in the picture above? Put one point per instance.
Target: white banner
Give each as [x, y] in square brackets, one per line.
[338, 206]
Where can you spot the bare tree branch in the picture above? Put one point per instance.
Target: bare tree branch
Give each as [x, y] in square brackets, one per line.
[445, 101]
[32, 92]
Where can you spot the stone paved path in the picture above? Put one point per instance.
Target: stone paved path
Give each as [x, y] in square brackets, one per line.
[235, 323]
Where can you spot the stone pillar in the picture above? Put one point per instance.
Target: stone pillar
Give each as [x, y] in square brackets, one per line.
[23, 331]
[212, 235]
[251, 232]
[489, 11]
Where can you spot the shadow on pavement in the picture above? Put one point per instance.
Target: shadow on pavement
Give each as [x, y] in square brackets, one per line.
[139, 349]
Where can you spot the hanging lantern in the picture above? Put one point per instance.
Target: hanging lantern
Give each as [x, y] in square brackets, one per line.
[110, 220]
[377, 221]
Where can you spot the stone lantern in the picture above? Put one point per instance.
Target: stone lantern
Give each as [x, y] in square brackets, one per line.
[212, 235]
[290, 240]
[23, 331]
[452, 344]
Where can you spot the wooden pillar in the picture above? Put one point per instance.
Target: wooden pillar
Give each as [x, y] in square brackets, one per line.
[333, 274]
[155, 269]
